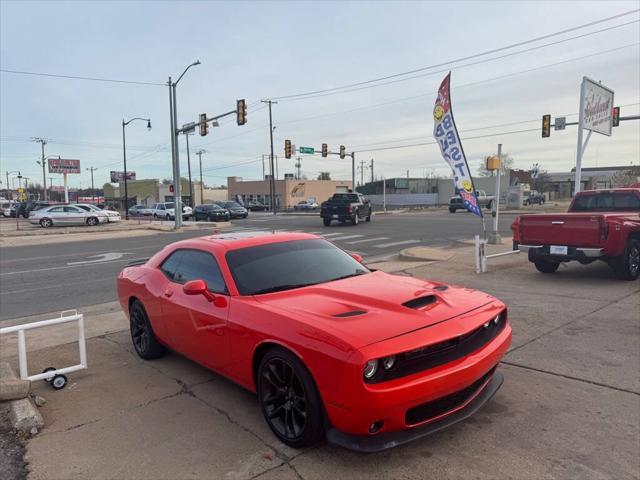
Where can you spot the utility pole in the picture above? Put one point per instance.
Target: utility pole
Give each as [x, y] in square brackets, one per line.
[93, 190]
[186, 134]
[272, 184]
[199, 153]
[361, 172]
[298, 166]
[353, 171]
[372, 179]
[42, 143]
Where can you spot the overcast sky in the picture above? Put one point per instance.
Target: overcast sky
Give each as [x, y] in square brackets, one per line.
[258, 50]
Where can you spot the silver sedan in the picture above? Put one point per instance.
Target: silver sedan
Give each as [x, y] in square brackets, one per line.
[61, 215]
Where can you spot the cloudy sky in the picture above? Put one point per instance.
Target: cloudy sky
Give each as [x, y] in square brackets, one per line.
[259, 50]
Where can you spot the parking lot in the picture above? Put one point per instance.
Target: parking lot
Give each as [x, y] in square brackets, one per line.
[569, 406]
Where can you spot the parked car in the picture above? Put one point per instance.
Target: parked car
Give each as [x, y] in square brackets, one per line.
[166, 211]
[23, 209]
[255, 206]
[306, 205]
[484, 200]
[62, 215]
[600, 225]
[211, 212]
[369, 359]
[346, 207]
[532, 198]
[112, 216]
[5, 207]
[140, 211]
[235, 209]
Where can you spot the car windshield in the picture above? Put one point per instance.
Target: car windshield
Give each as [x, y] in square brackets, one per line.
[287, 265]
[232, 205]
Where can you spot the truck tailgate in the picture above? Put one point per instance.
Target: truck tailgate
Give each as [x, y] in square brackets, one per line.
[577, 230]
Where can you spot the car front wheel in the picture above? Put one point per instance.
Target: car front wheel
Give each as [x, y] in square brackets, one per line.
[142, 336]
[46, 223]
[92, 221]
[289, 399]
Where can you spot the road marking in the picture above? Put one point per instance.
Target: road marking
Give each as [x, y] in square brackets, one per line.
[58, 268]
[332, 234]
[348, 237]
[102, 257]
[393, 244]
[368, 240]
[316, 233]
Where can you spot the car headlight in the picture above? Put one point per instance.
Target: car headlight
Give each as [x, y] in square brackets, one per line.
[388, 362]
[370, 369]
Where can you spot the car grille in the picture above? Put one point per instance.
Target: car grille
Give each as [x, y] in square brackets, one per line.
[445, 404]
[431, 356]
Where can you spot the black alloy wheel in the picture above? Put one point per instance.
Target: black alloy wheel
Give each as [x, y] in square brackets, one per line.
[289, 399]
[142, 336]
[627, 266]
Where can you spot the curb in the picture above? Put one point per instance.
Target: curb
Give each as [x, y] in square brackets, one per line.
[23, 414]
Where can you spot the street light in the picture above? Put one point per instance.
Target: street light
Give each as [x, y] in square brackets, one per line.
[173, 114]
[124, 155]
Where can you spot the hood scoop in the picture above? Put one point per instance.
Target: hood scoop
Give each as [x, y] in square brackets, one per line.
[352, 313]
[420, 302]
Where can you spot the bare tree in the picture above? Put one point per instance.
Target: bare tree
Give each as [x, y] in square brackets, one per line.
[505, 165]
[324, 176]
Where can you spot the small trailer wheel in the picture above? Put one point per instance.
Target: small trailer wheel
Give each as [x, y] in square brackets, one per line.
[59, 382]
[48, 369]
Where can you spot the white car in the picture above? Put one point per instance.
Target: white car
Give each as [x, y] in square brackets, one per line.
[112, 216]
[61, 215]
[167, 211]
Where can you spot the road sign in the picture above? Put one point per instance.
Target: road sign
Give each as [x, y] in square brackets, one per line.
[309, 150]
[560, 123]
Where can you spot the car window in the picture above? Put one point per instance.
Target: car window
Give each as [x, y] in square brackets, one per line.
[170, 265]
[199, 265]
[168, 205]
[84, 207]
[72, 210]
[56, 209]
[626, 202]
[607, 202]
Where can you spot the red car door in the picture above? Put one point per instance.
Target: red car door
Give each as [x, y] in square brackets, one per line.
[195, 326]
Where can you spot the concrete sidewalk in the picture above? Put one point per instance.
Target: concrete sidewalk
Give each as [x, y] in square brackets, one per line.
[569, 407]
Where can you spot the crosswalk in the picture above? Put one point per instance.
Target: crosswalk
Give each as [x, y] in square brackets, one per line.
[349, 239]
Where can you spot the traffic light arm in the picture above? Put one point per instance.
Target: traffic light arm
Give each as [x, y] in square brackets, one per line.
[197, 124]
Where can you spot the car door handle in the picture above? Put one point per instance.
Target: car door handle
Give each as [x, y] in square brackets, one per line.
[557, 222]
[168, 293]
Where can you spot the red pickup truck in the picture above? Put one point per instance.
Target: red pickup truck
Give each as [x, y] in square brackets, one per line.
[600, 225]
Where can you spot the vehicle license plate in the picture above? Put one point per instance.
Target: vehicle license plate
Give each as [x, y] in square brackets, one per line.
[335, 216]
[557, 250]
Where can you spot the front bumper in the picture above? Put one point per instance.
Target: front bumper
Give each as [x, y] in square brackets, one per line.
[384, 441]
[573, 253]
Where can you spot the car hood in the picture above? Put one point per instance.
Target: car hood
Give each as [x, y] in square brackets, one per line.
[370, 308]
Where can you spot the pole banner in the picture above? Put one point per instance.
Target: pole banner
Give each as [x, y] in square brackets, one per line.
[446, 133]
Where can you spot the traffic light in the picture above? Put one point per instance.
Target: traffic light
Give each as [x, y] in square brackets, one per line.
[241, 112]
[325, 150]
[204, 126]
[615, 114]
[342, 151]
[287, 149]
[546, 126]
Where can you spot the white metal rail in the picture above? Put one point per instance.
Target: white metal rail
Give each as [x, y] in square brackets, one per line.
[482, 257]
[22, 345]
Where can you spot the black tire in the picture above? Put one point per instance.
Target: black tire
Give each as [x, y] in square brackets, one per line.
[155, 216]
[92, 221]
[368, 219]
[48, 369]
[515, 245]
[355, 219]
[289, 399]
[546, 266]
[46, 223]
[489, 205]
[452, 210]
[58, 382]
[142, 336]
[326, 221]
[627, 266]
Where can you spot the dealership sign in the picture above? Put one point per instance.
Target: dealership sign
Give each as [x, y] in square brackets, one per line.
[596, 107]
[62, 165]
[119, 176]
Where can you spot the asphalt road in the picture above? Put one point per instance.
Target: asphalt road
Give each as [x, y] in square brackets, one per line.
[55, 277]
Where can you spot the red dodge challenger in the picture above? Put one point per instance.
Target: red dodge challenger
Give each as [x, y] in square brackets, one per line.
[369, 359]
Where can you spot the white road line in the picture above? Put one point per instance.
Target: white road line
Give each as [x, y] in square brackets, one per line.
[348, 237]
[315, 233]
[368, 240]
[393, 244]
[332, 234]
[3, 274]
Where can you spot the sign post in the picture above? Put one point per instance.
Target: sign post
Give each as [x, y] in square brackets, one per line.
[596, 108]
[64, 166]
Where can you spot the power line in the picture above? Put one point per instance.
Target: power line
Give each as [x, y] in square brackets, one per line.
[74, 77]
[488, 52]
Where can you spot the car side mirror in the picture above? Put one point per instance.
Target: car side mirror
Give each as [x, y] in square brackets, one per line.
[356, 257]
[199, 287]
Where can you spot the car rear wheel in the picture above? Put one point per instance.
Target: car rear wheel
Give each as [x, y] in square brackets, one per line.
[355, 219]
[546, 266]
[46, 223]
[92, 221]
[627, 266]
[142, 336]
[289, 399]
[326, 221]
[452, 210]
[489, 205]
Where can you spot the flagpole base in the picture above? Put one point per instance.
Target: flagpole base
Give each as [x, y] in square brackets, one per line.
[493, 238]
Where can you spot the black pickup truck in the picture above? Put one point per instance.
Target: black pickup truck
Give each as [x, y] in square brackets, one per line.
[346, 207]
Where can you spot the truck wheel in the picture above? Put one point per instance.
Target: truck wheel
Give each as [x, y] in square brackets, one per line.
[489, 205]
[545, 266]
[326, 221]
[452, 210]
[368, 219]
[355, 219]
[515, 245]
[627, 266]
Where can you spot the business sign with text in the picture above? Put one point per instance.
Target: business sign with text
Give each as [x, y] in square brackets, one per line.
[597, 107]
[63, 165]
[119, 176]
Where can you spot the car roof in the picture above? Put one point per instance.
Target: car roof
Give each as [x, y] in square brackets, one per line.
[243, 239]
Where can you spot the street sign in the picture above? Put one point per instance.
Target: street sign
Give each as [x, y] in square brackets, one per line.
[560, 123]
[189, 127]
[61, 165]
[309, 150]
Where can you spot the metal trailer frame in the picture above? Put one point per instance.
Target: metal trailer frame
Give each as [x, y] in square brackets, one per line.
[22, 346]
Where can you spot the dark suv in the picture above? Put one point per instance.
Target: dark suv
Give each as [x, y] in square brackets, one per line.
[235, 209]
[210, 212]
[24, 208]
